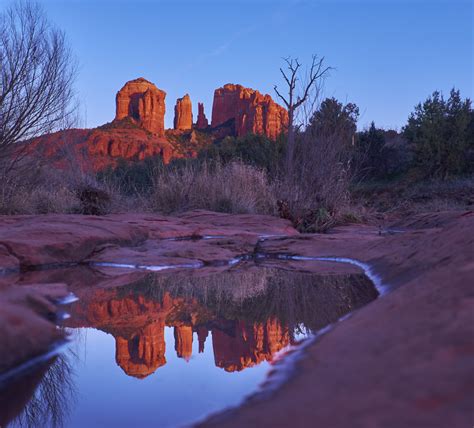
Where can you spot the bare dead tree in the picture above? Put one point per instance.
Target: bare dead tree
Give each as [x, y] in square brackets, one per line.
[299, 89]
[37, 73]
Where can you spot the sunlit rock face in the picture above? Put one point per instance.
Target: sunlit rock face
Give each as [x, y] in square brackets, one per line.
[202, 122]
[101, 147]
[183, 114]
[141, 101]
[106, 146]
[251, 111]
[248, 344]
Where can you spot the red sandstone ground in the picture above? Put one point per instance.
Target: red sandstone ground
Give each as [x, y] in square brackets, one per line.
[404, 360]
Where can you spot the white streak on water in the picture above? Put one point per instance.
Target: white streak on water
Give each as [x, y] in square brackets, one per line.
[68, 299]
[153, 268]
[377, 281]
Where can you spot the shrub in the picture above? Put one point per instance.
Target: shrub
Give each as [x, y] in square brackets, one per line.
[380, 154]
[132, 178]
[316, 193]
[256, 150]
[441, 133]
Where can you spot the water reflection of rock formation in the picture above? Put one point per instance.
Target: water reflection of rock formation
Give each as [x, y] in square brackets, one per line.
[248, 344]
[248, 324]
[141, 354]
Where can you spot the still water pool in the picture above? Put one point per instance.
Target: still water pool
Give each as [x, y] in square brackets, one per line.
[169, 350]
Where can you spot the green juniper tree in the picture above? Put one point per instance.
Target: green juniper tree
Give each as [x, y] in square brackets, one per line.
[441, 132]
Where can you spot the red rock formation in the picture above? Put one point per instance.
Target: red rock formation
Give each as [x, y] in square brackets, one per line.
[202, 122]
[249, 345]
[183, 114]
[106, 146]
[251, 111]
[141, 101]
[183, 341]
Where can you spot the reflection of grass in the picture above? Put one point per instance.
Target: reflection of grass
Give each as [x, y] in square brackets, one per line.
[293, 298]
[51, 403]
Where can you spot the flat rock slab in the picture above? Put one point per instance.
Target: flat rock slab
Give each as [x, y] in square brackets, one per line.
[406, 359]
[29, 241]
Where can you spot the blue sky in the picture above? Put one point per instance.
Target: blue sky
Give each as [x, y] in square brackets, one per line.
[388, 55]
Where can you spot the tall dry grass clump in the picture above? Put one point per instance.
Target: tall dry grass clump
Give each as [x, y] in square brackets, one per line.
[37, 185]
[230, 188]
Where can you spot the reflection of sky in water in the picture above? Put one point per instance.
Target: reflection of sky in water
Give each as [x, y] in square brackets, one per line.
[247, 318]
[177, 393]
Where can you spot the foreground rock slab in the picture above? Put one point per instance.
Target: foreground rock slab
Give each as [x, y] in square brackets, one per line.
[406, 359]
[33, 248]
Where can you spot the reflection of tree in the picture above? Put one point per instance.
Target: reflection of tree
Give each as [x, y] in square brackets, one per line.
[50, 404]
[298, 300]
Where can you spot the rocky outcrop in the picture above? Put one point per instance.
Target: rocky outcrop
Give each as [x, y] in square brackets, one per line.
[141, 101]
[101, 147]
[202, 122]
[183, 114]
[106, 146]
[251, 111]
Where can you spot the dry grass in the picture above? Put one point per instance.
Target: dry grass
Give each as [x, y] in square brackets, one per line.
[407, 196]
[231, 188]
[44, 189]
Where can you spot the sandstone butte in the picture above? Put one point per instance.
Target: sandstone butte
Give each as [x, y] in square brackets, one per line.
[183, 114]
[142, 102]
[251, 111]
[202, 122]
[138, 132]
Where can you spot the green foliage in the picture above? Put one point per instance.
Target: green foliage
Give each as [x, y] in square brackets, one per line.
[132, 177]
[442, 134]
[255, 150]
[334, 118]
[379, 154]
[369, 152]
